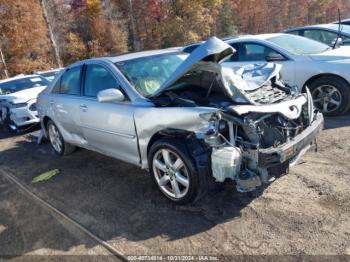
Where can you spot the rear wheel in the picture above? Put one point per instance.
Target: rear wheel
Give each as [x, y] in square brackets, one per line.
[60, 147]
[331, 95]
[174, 171]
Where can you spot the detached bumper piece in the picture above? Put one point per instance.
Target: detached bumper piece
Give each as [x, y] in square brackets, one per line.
[294, 148]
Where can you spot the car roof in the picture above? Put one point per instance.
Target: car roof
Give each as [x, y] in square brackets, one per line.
[17, 78]
[134, 55]
[342, 20]
[254, 37]
[333, 27]
[49, 71]
[240, 38]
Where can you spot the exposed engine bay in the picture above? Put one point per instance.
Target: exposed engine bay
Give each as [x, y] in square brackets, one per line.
[254, 134]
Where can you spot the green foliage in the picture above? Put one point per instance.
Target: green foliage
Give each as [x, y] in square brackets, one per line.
[226, 24]
[76, 48]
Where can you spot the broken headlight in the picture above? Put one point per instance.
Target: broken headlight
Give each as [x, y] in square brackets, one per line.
[211, 136]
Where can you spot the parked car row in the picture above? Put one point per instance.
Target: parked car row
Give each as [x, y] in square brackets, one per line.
[305, 63]
[18, 96]
[325, 33]
[243, 109]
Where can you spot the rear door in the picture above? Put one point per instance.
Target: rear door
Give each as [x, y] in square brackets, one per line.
[257, 53]
[64, 104]
[108, 127]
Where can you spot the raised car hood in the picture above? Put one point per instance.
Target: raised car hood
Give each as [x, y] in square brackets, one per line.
[210, 52]
[24, 95]
[208, 57]
[341, 53]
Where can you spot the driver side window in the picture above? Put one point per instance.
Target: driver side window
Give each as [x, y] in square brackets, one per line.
[254, 52]
[97, 79]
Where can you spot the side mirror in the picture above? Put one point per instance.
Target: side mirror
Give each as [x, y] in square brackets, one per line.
[274, 57]
[110, 95]
[338, 43]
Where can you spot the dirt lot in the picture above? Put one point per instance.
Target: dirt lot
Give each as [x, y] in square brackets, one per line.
[304, 212]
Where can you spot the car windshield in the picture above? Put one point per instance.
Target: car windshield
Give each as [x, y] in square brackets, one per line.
[147, 74]
[22, 84]
[299, 45]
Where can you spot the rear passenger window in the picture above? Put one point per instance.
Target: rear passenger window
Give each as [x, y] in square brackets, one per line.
[70, 82]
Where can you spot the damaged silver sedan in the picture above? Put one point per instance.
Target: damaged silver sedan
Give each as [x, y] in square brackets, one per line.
[186, 118]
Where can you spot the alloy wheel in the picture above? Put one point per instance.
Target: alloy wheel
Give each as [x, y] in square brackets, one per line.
[171, 173]
[55, 138]
[327, 98]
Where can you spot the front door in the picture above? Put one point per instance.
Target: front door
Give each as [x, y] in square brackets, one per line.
[108, 127]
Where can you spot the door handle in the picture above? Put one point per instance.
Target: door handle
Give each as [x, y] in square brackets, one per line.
[83, 107]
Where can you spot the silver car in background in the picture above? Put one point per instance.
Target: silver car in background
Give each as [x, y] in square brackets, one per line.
[186, 118]
[49, 74]
[305, 63]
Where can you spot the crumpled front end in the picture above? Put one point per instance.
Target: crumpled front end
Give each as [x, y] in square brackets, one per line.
[253, 144]
[24, 114]
[258, 126]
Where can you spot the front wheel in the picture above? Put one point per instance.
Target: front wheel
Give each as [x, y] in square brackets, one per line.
[174, 171]
[331, 95]
[60, 147]
[8, 124]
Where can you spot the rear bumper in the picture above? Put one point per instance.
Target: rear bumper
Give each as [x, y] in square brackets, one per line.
[277, 155]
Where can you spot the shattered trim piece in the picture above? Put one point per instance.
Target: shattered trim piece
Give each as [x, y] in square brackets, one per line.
[290, 109]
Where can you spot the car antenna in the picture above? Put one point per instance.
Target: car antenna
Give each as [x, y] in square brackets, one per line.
[339, 30]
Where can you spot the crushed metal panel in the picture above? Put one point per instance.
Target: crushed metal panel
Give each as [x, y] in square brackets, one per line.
[149, 121]
[290, 109]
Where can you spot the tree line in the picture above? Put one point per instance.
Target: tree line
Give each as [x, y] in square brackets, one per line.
[44, 34]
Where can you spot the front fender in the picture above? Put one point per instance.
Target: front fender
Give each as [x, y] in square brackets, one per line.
[150, 121]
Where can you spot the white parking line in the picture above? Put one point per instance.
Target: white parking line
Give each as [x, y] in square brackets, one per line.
[51, 208]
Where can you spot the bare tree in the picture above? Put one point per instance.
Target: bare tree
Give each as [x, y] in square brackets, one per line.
[135, 38]
[52, 37]
[2, 59]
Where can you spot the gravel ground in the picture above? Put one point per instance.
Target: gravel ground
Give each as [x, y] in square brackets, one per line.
[306, 212]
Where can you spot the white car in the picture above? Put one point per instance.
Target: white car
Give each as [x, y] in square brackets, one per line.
[18, 97]
[306, 63]
[49, 74]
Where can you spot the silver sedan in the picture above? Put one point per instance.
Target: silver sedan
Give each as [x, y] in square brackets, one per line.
[186, 118]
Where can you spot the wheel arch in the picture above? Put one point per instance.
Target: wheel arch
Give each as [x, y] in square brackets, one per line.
[315, 77]
[45, 121]
[168, 133]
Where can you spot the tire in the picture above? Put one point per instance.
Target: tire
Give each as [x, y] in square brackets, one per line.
[58, 144]
[7, 122]
[331, 95]
[167, 173]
